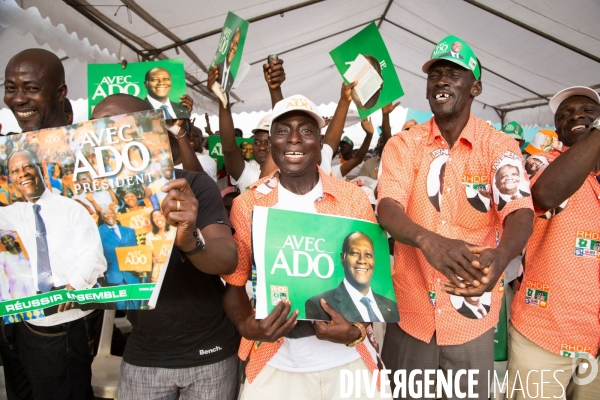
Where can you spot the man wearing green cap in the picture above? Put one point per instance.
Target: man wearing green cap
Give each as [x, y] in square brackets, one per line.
[345, 150]
[515, 131]
[449, 252]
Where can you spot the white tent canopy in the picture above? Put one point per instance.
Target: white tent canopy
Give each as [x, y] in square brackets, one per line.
[529, 49]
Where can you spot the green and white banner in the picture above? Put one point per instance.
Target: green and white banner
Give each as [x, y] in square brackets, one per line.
[215, 149]
[161, 83]
[302, 258]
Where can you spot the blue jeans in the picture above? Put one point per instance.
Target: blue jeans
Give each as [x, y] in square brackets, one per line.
[53, 362]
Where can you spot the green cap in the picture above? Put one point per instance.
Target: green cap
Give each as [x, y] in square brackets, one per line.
[347, 140]
[514, 130]
[454, 49]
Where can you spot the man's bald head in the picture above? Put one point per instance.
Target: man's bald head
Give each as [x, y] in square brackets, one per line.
[35, 89]
[117, 104]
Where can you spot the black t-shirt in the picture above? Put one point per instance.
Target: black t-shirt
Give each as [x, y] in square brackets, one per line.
[188, 327]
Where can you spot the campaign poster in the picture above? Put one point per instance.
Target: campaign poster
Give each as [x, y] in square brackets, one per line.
[215, 149]
[229, 53]
[80, 219]
[369, 43]
[160, 83]
[302, 257]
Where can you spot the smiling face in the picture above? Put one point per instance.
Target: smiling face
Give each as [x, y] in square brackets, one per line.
[507, 179]
[26, 176]
[260, 146]
[233, 46]
[574, 117]
[296, 144]
[346, 150]
[159, 84]
[451, 89]
[8, 241]
[166, 168]
[109, 217]
[130, 199]
[456, 47]
[159, 219]
[358, 260]
[246, 150]
[34, 89]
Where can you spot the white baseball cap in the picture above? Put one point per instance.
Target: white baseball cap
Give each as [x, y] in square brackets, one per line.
[297, 102]
[264, 124]
[572, 91]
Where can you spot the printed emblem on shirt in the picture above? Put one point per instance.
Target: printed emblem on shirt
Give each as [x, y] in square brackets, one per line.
[535, 164]
[575, 351]
[587, 244]
[279, 293]
[478, 193]
[554, 212]
[501, 285]
[537, 293]
[509, 182]
[472, 307]
[435, 177]
[431, 293]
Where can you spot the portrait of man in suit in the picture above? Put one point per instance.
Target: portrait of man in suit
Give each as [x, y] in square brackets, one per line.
[158, 83]
[114, 235]
[436, 197]
[224, 67]
[353, 297]
[454, 51]
[473, 307]
[479, 198]
[507, 180]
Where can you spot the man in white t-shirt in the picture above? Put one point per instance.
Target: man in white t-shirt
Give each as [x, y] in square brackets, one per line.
[295, 359]
[209, 165]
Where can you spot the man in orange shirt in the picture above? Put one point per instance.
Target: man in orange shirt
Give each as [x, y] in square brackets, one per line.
[555, 312]
[291, 359]
[445, 248]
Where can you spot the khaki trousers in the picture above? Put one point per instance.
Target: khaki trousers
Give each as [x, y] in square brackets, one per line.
[274, 384]
[530, 361]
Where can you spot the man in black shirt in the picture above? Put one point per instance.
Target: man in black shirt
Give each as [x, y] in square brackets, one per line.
[186, 346]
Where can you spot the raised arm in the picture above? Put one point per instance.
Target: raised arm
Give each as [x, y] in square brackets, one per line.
[232, 154]
[333, 135]
[274, 76]
[565, 175]
[208, 131]
[349, 165]
[386, 128]
[189, 161]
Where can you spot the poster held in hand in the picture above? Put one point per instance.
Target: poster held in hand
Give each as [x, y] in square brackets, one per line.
[160, 83]
[229, 55]
[303, 257]
[365, 58]
[82, 238]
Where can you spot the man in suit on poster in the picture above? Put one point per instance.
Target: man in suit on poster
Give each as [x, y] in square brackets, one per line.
[353, 297]
[158, 83]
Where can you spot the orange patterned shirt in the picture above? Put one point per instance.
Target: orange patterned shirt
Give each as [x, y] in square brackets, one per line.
[461, 193]
[558, 304]
[339, 198]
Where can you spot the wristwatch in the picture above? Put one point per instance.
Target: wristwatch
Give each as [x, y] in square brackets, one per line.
[363, 334]
[200, 245]
[596, 124]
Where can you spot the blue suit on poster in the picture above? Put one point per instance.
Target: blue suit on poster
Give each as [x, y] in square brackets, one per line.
[114, 276]
[110, 241]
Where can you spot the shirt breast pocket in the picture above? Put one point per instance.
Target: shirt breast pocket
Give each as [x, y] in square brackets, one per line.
[475, 204]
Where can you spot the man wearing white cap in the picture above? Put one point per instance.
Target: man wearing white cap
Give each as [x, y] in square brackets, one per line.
[554, 314]
[290, 359]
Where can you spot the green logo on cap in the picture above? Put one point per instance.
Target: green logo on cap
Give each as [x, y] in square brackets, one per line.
[455, 49]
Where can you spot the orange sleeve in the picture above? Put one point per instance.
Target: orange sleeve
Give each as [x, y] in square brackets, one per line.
[241, 218]
[397, 174]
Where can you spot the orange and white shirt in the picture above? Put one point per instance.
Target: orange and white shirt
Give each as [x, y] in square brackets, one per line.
[339, 198]
[557, 306]
[464, 193]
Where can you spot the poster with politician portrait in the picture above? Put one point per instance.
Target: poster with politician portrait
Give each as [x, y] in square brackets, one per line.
[472, 307]
[509, 181]
[435, 178]
[535, 164]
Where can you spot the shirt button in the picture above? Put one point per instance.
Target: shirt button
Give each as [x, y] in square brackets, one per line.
[598, 197]
[439, 311]
[449, 158]
[443, 222]
[438, 280]
[447, 189]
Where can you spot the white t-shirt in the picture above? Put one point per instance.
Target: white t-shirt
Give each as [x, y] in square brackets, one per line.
[336, 164]
[251, 172]
[208, 165]
[309, 354]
